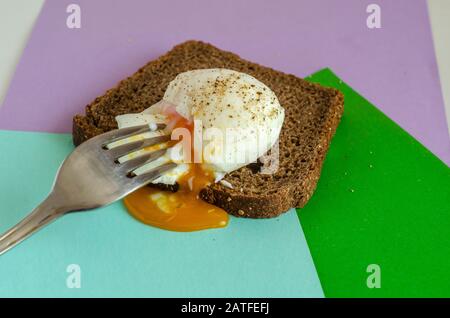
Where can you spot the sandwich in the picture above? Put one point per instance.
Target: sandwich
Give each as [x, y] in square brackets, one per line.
[301, 117]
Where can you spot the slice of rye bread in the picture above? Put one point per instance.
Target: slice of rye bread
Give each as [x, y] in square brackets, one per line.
[312, 113]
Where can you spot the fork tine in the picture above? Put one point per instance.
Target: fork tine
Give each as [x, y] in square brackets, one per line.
[132, 164]
[124, 133]
[131, 147]
[105, 138]
[145, 178]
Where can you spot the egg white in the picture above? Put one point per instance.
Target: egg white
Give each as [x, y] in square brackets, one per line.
[217, 98]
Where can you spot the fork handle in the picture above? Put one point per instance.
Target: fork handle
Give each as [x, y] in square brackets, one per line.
[42, 215]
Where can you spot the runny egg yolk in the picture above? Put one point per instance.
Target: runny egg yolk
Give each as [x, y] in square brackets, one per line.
[182, 211]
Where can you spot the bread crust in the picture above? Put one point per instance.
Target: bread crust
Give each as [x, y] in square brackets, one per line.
[313, 113]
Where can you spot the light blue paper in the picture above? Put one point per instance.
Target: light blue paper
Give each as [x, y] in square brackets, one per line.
[118, 256]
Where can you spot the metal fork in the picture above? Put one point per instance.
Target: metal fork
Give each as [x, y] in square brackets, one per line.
[92, 177]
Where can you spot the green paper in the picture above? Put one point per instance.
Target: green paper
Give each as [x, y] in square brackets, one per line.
[382, 199]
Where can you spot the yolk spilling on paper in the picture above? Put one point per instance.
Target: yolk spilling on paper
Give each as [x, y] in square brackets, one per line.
[182, 211]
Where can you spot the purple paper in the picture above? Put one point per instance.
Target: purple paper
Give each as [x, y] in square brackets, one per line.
[64, 69]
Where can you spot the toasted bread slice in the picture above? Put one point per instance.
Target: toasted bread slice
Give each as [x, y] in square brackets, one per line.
[312, 113]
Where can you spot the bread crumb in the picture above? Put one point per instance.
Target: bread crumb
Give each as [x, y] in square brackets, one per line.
[225, 183]
[241, 212]
[229, 199]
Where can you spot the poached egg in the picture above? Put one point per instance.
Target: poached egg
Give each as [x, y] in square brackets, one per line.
[219, 121]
